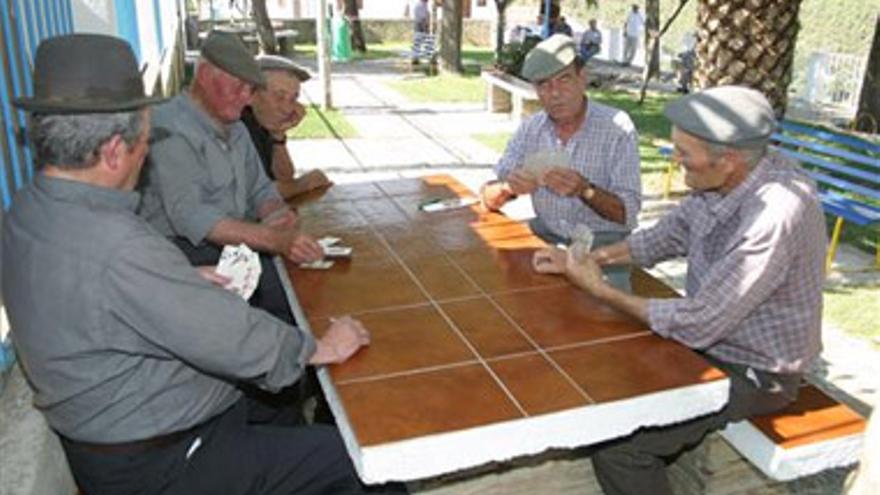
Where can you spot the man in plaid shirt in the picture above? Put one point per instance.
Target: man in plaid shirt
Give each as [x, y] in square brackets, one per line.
[601, 186]
[754, 236]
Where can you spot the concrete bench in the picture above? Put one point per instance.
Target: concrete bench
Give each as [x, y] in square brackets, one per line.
[813, 434]
[508, 94]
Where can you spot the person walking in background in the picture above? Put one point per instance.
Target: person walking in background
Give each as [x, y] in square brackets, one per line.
[591, 42]
[632, 31]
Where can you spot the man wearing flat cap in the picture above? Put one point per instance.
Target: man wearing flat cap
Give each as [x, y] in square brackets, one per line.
[134, 356]
[205, 187]
[753, 233]
[274, 110]
[577, 158]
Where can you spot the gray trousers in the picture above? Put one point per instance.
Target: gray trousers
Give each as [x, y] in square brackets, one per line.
[637, 464]
[630, 44]
[617, 275]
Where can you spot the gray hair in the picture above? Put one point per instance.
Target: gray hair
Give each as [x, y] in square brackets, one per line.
[72, 140]
[751, 153]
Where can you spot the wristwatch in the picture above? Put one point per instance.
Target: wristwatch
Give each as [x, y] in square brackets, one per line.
[587, 192]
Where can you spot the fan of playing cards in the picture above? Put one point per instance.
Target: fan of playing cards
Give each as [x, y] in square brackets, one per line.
[242, 267]
[332, 249]
[537, 164]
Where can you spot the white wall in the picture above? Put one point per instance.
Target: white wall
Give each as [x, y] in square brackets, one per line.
[93, 16]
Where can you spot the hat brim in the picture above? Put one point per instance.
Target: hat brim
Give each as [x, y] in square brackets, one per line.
[37, 105]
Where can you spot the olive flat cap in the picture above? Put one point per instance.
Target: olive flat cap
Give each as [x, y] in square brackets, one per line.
[549, 57]
[274, 62]
[731, 115]
[228, 52]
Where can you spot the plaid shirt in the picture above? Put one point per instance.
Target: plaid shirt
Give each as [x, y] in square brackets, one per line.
[604, 150]
[755, 269]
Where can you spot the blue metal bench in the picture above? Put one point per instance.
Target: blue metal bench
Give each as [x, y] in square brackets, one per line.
[845, 167]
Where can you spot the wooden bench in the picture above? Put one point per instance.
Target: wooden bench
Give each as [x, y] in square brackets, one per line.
[847, 170]
[845, 167]
[813, 434]
[508, 94]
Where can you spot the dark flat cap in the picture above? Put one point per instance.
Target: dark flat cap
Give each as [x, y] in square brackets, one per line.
[549, 57]
[228, 52]
[274, 62]
[731, 115]
[85, 73]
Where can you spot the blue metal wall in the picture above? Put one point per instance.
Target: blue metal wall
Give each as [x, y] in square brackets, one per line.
[23, 23]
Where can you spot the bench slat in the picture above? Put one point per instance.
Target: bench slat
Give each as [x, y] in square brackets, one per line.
[845, 140]
[866, 175]
[854, 211]
[827, 150]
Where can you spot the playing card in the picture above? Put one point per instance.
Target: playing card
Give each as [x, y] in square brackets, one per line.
[581, 241]
[317, 265]
[337, 251]
[328, 241]
[537, 164]
[242, 266]
[447, 204]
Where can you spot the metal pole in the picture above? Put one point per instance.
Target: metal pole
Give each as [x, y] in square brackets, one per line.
[323, 54]
[545, 30]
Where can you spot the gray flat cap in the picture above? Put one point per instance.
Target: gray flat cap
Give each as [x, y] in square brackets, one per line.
[732, 115]
[274, 62]
[228, 52]
[549, 57]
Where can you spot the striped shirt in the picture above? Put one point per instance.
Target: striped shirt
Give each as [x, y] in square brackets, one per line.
[755, 269]
[604, 150]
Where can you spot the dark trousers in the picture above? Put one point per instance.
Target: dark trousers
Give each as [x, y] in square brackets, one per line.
[286, 406]
[637, 464]
[227, 455]
[269, 295]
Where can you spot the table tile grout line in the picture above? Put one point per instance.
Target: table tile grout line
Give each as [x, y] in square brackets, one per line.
[410, 372]
[525, 334]
[449, 321]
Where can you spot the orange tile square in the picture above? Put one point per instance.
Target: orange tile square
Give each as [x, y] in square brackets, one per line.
[401, 340]
[486, 328]
[421, 404]
[501, 270]
[623, 369]
[564, 315]
[538, 386]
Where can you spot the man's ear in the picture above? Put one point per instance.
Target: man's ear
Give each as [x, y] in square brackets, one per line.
[112, 151]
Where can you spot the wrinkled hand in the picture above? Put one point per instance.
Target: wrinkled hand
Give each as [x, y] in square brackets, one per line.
[281, 218]
[208, 273]
[564, 181]
[343, 338]
[521, 182]
[549, 260]
[303, 249]
[313, 179]
[584, 272]
[494, 194]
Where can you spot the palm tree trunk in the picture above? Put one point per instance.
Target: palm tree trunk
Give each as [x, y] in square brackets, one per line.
[450, 36]
[750, 43]
[265, 32]
[868, 115]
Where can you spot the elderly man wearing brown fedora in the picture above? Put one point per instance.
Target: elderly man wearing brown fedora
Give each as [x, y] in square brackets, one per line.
[274, 110]
[133, 355]
[205, 187]
[753, 233]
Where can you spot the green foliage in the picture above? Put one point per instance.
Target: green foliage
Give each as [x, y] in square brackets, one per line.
[514, 54]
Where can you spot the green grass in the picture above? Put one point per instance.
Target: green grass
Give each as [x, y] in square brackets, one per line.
[451, 88]
[322, 124]
[853, 310]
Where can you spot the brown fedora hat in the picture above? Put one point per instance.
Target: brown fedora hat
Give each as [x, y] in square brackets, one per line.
[86, 73]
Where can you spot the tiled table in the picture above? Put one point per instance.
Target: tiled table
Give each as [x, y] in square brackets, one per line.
[474, 356]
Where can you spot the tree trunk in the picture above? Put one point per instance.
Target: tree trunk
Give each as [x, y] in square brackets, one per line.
[500, 26]
[357, 30]
[450, 37]
[652, 35]
[265, 31]
[655, 53]
[868, 114]
[748, 42]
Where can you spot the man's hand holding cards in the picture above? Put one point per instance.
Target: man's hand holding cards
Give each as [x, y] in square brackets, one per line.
[539, 163]
[242, 267]
[331, 249]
